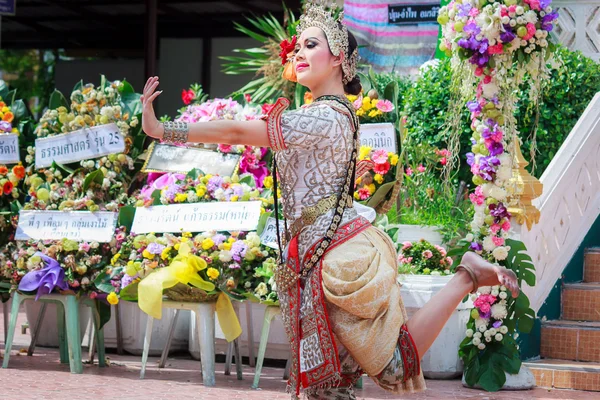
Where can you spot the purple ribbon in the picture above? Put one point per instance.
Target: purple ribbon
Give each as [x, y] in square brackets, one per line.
[46, 279]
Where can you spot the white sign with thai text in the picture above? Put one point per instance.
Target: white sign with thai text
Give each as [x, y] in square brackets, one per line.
[197, 217]
[9, 149]
[379, 136]
[75, 225]
[268, 237]
[80, 145]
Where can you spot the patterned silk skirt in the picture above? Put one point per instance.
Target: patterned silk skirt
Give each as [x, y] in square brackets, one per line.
[368, 317]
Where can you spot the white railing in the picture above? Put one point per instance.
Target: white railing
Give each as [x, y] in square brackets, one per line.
[578, 25]
[569, 204]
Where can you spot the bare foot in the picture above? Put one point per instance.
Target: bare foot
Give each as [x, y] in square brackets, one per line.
[489, 274]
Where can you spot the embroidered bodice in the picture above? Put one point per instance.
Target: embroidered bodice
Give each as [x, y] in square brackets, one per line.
[313, 147]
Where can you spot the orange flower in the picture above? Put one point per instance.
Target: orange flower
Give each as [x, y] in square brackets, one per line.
[19, 171]
[3, 170]
[8, 117]
[2, 104]
[308, 98]
[8, 187]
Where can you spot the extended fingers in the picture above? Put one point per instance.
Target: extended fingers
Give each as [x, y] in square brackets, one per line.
[154, 96]
[149, 82]
[151, 89]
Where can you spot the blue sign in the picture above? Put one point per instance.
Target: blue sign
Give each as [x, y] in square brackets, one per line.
[8, 7]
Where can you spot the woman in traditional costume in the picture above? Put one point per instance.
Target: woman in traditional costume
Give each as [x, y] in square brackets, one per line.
[336, 278]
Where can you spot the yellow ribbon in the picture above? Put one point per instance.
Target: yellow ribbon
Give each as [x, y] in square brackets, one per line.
[184, 269]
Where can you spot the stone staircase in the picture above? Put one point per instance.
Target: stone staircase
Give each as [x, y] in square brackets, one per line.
[570, 347]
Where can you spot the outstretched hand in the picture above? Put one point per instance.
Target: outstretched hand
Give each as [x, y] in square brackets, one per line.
[150, 124]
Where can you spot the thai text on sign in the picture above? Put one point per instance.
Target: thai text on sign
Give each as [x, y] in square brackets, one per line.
[268, 236]
[379, 136]
[197, 217]
[410, 14]
[80, 145]
[75, 225]
[9, 149]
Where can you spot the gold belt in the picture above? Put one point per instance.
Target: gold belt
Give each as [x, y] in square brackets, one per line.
[309, 215]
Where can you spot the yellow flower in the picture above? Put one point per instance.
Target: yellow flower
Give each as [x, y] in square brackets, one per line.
[234, 198]
[360, 112]
[201, 191]
[374, 102]
[115, 258]
[366, 105]
[371, 188]
[147, 254]
[177, 246]
[393, 158]
[207, 244]
[112, 298]
[359, 180]
[378, 178]
[351, 97]
[15, 130]
[373, 113]
[212, 273]
[268, 182]
[356, 196]
[180, 197]
[186, 234]
[364, 152]
[165, 253]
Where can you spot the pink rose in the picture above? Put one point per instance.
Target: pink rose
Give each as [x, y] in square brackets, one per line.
[485, 308]
[449, 260]
[85, 247]
[406, 245]
[506, 225]
[358, 103]
[496, 49]
[441, 250]
[93, 295]
[409, 260]
[385, 106]
[409, 171]
[427, 254]
[498, 241]
[477, 197]
[494, 228]
[421, 168]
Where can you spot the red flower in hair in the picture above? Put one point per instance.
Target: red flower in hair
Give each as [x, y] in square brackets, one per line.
[286, 48]
[187, 96]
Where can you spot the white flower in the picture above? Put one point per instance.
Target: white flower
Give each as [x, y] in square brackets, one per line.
[503, 173]
[500, 253]
[503, 295]
[481, 346]
[498, 193]
[520, 10]
[498, 337]
[476, 341]
[505, 20]
[253, 239]
[225, 256]
[499, 311]
[473, 297]
[488, 339]
[490, 90]
[481, 324]
[504, 329]
[531, 17]
[469, 333]
[477, 335]
[495, 293]
[487, 333]
[512, 23]
[469, 237]
[485, 289]
[493, 331]
[488, 244]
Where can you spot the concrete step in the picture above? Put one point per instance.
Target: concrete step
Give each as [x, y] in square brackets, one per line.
[591, 266]
[581, 302]
[561, 374]
[571, 340]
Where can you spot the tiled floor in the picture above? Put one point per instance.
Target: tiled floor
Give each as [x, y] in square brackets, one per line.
[43, 377]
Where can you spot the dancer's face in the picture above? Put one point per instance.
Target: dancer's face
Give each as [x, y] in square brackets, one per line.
[314, 63]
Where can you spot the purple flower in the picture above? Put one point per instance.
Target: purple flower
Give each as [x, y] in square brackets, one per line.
[218, 239]
[475, 246]
[486, 133]
[497, 324]
[473, 142]
[238, 250]
[485, 315]
[499, 211]
[214, 183]
[464, 9]
[471, 156]
[5, 126]
[545, 3]
[507, 36]
[472, 28]
[480, 60]
[487, 167]
[238, 191]
[474, 106]
[172, 191]
[234, 266]
[469, 44]
[155, 248]
[496, 149]
[547, 21]
[126, 280]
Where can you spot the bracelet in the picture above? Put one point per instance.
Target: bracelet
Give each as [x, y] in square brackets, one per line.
[175, 132]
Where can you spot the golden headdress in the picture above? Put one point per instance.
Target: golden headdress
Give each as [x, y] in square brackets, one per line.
[331, 21]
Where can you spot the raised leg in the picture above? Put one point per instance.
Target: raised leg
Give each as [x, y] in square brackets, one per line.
[250, 333]
[147, 340]
[165, 353]
[61, 324]
[426, 324]
[270, 313]
[73, 334]
[205, 320]
[14, 313]
[38, 328]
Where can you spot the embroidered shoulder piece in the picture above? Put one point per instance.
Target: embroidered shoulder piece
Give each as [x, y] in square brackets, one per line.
[273, 119]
